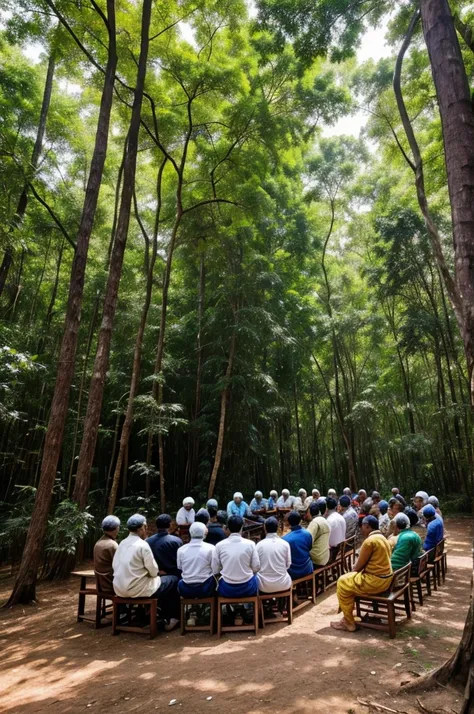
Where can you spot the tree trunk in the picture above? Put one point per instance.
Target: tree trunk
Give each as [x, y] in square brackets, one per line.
[24, 590]
[457, 120]
[96, 390]
[23, 200]
[224, 399]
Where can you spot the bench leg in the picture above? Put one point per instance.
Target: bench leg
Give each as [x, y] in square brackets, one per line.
[412, 597]
[153, 619]
[212, 616]
[255, 617]
[183, 618]
[115, 616]
[391, 620]
[98, 612]
[219, 620]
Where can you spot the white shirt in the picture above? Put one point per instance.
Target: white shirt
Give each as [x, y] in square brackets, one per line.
[352, 522]
[195, 561]
[235, 559]
[184, 517]
[299, 504]
[337, 525]
[286, 502]
[135, 569]
[275, 559]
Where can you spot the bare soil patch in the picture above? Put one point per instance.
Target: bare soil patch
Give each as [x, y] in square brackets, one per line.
[51, 663]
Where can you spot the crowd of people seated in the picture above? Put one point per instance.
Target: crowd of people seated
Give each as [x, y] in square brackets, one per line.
[218, 559]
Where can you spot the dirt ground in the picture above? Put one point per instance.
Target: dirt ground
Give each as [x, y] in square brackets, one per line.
[51, 663]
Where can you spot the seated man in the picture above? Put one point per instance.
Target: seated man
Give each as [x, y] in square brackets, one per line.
[300, 500]
[433, 501]
[408, 547]
[202, 516]
[384, 519]
[347, 492]
[136, 572]
[332, 493]
[213, 503]
[275, 558]
[315, 495]
[301, 542]
[434, 528]
[337, 525]
[372, 573]
[258, 504]
[195, 563]
[272, 501]
[165, 546]
[319, 529]
[186, 514]
[285, 500]
[236, 559]
[420, 500]
[104, 551]
[350, 516]
[215, 527]
[237, 507]
[376, 497]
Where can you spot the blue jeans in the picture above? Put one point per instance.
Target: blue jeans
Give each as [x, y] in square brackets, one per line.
[248, 589]
[200, 590]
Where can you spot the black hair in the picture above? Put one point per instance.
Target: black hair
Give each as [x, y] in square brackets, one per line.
[345, 501]
[322, 506]
[222, 517]
[314, 508]
[294, 518]
[331, 504]
[202, 516]
[271, 525]
[235, 524]
[212, 510]
[163, 522]
[412, 515]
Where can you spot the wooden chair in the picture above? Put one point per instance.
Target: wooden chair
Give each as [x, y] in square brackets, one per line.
[309, 585]
[437, 564]
[284, 595]
[348, 554]
[221, 601]
[151, 629]
[101, 607]
[386, 605]
[192, 602]
[333, 570]
[421, 578]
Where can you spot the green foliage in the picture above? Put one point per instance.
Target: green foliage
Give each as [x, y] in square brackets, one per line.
[67, 527]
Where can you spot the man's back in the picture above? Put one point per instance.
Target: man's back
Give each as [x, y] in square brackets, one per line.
[135, 569]
[274, 554]
[337, 526]
[434, 533]
[215, 533]
[104, 551]
[236, 559]
[407, 549]
[319, 529]
[300, 542]
[195, 561]
[164, 548]
[352, 522]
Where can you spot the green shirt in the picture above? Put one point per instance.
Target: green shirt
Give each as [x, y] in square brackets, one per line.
[319, 529]
[407, 550]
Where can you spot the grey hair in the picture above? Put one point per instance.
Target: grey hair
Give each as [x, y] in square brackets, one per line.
[197, 530]
[402, 521]
[110, 523]
[136, 521]
[433, 501]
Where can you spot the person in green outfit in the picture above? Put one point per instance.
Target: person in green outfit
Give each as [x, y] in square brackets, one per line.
[409, 544]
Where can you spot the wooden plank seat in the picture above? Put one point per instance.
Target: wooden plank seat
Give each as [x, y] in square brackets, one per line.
[328, 575]
[102, 609]
[194, 603]
[151, 628]
[378, 612]
[304, 588]
[284, 595]
[422, 578]
[221, 601]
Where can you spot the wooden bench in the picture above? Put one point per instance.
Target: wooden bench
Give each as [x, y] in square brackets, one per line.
[284, 595]
[151, 629]
[348, 554]
[328, 575]
[309, 584]
[188, 601]
[422, 577]
[386, 605]
[102, 609]
[237, 601]
[437, 563]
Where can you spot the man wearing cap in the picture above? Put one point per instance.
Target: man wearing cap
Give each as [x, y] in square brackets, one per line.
[337, 525]
[350, 516]
[420, 500]
[433, 501]
[165, 546]
[434, 528]
[384, 519]
[319, 531]
[274, 554]
[237, 507]
[212, 503]
[272, 501]
[372, 573]
[332, 493]
[136, 572]
[258, 504]
[104, 551]
[408, 548]
[215, 527]
[285, 500]
[237, 561]
[195, 563]
[313, 498]
[186, 514]
[300, 542]
[300, 500]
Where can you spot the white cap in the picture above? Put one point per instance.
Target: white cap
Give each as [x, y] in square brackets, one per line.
[197, 530]
[302, 490]
[423, 495]
[285, 490]
[237, 494]
[188, 501]
[110, 523]
[258, 494]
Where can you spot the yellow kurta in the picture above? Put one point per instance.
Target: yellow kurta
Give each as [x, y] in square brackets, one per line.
[374, 579]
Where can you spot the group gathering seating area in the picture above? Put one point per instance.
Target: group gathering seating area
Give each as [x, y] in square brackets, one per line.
[378, 612]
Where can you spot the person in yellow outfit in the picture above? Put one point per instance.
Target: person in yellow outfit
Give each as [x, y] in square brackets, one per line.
[372, 573]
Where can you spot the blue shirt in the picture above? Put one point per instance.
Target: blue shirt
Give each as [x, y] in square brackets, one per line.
[258, 505]
[165, 548]
[237, 510]
[434, 533]
[271, 504]
[301, 542]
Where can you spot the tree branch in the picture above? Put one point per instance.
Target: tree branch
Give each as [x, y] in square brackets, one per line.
[210, 201]
[53, 215]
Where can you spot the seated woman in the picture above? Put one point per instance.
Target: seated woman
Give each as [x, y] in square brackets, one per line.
[195, 563]
[372, 573]
[408, 547]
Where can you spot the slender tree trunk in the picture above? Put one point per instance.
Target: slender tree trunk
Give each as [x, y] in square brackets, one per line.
[24, 590]
[224, 399]
[298, 431]
[23, 200]
[96, 391]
